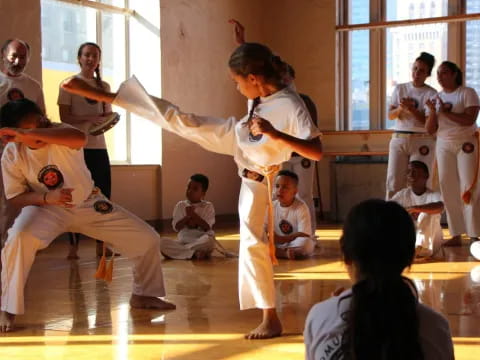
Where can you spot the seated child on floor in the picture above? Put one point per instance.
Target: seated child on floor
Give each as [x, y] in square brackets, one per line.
[425, 206]
[193, 219]
[293, 233]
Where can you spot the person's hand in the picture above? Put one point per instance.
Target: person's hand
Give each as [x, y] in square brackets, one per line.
[414, 212]
[18, 135]
[262, 126]
[408, 104]
[432, 105]
[59, 197]
[238, 31]
[97, 120]
[445, 108]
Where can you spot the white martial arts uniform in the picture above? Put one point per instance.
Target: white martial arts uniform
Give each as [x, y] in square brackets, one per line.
[287, 113]
[410, 140]
[457, 158]
[325, 325]
[292, 219]
[429, 230]
[13, 88]
[190, 240]
[36, 227]
[23, 86]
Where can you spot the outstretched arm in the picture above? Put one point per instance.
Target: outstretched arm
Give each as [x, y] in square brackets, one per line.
[70, 137]
[79, 87]
[238, 31]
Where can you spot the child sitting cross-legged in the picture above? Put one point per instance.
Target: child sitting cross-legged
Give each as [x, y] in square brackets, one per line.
[193, 219]
[293, 233]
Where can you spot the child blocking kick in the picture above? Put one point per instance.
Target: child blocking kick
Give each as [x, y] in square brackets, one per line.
[45, 175]
[278, 124]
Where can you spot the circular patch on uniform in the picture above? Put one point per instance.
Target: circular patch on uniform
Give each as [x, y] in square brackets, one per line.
[254, 138]
[15, 94]
[51, 177]
[447, 107]
[468, 147]
[285, 227]
[306, 163]
[91, 101]
[424, 150]
[103, 207]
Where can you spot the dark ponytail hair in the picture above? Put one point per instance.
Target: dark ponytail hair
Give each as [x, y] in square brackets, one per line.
[258, 59]
[456, 70]
[382, 322]
[428, 59]
[98, 76]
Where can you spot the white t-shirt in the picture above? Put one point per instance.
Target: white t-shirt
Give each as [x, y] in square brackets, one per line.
[47, 168]
[81, 106]
[408, 122]
[204, 209]
[460, 99]
[22, 86]
[324, 328]
[292, 219]
[287, 113]
[406, 197]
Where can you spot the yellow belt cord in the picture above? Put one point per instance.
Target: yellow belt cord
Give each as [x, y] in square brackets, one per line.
[269, 172]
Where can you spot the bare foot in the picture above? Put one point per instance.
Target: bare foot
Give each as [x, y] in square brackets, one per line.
[6, 321]
[150, 302]
[269, 328]
[454, 241]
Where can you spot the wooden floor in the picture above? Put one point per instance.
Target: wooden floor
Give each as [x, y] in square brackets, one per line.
[70, 315]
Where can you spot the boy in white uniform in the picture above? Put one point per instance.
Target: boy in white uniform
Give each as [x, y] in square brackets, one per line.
[45, 175]
[293, 232]
[410, 141]
[193, 219]
[277, 125]
[426, 208]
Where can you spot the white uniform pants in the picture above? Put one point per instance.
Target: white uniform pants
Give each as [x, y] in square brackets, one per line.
[457, 164]
[187, 243]
[429, 233]
[401, 151]
[305, 244]
[305, 169]
[37, 226]
[255, 269]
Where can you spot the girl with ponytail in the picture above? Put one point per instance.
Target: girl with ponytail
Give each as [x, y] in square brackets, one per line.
[380, 317]
[83, 113]
[277, 125]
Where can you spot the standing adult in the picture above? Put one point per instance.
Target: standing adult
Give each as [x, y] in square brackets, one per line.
[410, 140]
[452, 116]
[83, 113]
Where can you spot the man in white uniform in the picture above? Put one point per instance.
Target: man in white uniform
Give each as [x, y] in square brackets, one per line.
[193, 219]
[293, 234]
[15, 56]
[45, 175]
[426, 208]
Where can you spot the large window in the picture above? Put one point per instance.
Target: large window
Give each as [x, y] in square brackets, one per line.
[112, 26]
[378, 48]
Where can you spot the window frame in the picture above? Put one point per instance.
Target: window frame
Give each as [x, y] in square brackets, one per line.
[377, 26]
